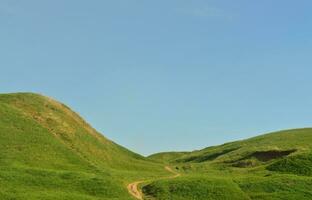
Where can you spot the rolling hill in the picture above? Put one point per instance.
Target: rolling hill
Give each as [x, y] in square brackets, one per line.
[48, 152]
[272, 166]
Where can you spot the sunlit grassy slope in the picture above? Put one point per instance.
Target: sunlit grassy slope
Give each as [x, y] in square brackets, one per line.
[272, 166]
[48, 152]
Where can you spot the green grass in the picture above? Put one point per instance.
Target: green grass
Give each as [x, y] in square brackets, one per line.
[16, 183]
[166, 156]
[48, 152]
[298, 139]
[300, 165]
[276, 187]
[271, 166]
[194, 187]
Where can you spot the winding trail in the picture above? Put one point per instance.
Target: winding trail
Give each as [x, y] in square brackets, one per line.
[134, 190]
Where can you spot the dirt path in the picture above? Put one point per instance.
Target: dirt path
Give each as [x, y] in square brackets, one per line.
[176, 174]
[137, 193]
[134, 190]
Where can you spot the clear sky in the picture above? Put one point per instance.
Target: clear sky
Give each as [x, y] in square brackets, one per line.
[167, 74]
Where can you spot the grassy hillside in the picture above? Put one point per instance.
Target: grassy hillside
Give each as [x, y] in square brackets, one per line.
[167, 156]
[48, 152]
[297, 140]
[195, 187]
[271, 166]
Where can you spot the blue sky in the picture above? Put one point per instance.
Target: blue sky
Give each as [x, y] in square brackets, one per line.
[165, 75]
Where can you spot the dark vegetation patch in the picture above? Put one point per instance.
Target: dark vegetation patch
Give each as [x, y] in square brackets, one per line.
[253, 159]
[207, 157]
[265, 156]
[300, 165]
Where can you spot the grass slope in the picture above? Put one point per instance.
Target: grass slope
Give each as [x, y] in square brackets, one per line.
[195, 187]
[271, 166]
[48, 152]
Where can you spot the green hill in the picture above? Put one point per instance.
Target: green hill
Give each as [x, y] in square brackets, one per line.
[48, 152]
[271, 166]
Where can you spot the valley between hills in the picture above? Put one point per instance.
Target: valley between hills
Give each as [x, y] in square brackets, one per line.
[48, 152]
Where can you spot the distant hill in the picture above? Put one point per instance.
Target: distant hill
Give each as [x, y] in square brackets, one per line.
[257, 150]
[272, 166]
[48, 152]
